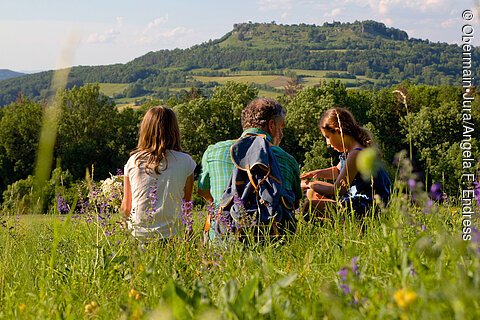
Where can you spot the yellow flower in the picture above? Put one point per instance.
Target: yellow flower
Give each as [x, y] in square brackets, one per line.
[92, 307]
[404, 297]
[134, 294]
[454, 212]
[22, 307]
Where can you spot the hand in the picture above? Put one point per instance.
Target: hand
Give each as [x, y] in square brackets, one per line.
[310, 174]
[305, 184]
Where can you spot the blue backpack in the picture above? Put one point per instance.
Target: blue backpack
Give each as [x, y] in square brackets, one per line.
[255, 196]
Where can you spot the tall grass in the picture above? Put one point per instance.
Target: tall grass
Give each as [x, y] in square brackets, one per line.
[408, 262]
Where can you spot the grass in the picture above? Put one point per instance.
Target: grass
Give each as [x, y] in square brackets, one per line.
[406, 263]
[110, 89]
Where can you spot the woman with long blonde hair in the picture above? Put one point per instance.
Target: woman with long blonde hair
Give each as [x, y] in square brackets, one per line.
[158, 177]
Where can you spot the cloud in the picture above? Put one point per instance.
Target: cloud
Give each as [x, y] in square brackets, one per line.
[176, 31]
[265, 5]
[333, 13]
[157, 37]
[108, 36]
[155, 23]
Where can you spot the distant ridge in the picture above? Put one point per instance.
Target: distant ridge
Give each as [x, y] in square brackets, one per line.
[7, 74]
[369, 52]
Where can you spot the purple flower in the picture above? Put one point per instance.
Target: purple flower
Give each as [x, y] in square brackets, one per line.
[477, 191]
[411, 184]
[343, 274]
[355, 266]
[119, 172]
[436, 192]
[345, 289]
[412, 271]
[62, 205]
[475, 235]
[152, 198]
[187, 215]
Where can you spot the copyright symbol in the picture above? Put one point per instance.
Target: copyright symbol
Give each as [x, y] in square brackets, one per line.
[467, 15]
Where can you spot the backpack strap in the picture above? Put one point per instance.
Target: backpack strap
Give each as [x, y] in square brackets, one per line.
[250, 177]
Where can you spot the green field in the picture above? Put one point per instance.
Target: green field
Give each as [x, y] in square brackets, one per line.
[407, 263]
[110, 89]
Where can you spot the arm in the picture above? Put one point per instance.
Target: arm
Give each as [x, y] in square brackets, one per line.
[204, 179]
[205, 194]
[327, 173]
[188, 189]
[127, 198]
[343, 180]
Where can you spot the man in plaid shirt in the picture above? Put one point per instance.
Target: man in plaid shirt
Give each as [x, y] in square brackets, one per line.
[261, 116]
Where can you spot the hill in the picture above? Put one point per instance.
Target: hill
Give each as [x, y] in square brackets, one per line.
[7, 74]
[367, 52]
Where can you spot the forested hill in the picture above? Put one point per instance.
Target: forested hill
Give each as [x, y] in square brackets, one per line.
[7, 74]
[365, 49]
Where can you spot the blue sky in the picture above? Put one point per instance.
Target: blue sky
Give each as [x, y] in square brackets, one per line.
[34, 33]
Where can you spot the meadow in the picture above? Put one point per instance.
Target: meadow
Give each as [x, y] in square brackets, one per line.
[406, 261]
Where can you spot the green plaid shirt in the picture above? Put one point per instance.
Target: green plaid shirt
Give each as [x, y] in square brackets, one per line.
[217, 167]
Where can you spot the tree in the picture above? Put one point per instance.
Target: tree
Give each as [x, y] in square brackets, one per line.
[19, 134]
[302, 136]
[87, 133]
[206, 121]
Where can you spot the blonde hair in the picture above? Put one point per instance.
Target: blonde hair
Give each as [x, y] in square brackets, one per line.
[341, 120]
[158, 133]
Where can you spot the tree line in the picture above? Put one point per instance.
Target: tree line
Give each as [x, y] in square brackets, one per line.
[93, 133]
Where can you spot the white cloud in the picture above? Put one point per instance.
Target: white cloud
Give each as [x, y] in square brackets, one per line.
[333, 13]
[157, 37]
[155, 23]
[108, 36]
[265, 5]
[175, 32]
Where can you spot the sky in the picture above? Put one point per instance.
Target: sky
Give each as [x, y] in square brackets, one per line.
[38, 35]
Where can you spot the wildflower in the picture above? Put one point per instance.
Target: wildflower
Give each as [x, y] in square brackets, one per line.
[436, 192]
[22, 307]
[476, 239]
[92, 308]
[345, 289]
[187, 216]
[355, 266]
[412, 271]
[404, 298]
[152, 198]
[343, 274]
[62, 205]
[477, 192]
[134, 294]
[411, 184]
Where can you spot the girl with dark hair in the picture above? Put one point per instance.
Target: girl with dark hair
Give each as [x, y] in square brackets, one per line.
[345, 135]
[158, 177]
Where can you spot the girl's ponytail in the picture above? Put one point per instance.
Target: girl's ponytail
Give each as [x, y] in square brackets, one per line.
[342, 120]
[364, 137]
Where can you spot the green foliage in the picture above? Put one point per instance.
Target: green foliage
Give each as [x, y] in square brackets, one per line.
[19, 133]
[19, 197]
[206, 121]
[302, 134]
[360, 48]
[93, 133]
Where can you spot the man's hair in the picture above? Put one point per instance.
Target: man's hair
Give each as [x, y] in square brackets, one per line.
[260, 111]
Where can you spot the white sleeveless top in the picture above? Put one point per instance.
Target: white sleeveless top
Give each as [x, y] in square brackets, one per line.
[157, 198]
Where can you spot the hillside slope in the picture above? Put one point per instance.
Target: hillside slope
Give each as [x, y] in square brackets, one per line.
[366, 49]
